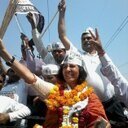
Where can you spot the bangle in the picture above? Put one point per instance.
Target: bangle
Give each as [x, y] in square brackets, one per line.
[9, 63]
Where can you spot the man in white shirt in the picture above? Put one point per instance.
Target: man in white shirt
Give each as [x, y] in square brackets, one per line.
[15, 87]
[11, 111]
[57, 51]
[113, 74]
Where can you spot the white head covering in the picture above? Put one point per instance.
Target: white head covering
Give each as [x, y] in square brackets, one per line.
[57, 46]
[50, 69]
[87, 31]
[73, 58]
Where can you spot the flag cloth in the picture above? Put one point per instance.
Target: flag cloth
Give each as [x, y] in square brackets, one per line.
[39, 21]
[25, 6]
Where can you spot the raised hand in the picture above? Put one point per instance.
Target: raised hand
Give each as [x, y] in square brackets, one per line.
[97, 42]
[62, 6]
[31, 20]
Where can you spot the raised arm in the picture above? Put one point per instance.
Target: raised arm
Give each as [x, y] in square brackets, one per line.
[61, 25]
[19, 68]
[111, 71]
[40, 85]
[36, 36]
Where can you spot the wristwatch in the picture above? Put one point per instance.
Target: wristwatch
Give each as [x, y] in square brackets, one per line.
[9, 63]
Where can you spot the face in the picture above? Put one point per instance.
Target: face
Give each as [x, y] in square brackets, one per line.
[13, 77]
[51, 78]
[26, 39]
[59, 55]
[86, 44]
[71, 74]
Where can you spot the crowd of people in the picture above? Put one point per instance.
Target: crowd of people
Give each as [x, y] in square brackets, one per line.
[64, 88]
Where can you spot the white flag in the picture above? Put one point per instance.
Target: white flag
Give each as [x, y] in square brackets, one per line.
[25, 6]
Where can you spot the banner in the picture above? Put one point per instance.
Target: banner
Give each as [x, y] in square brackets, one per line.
[25, 6]
[39, 21]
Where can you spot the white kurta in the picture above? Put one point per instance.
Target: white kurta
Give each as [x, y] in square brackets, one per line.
[17, 91]
[116, 78]
[13, 108]
[102, 86]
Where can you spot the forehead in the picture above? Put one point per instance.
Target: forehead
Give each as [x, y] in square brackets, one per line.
[69, 65]
[86, 35]
[49, 76]
[58, 50]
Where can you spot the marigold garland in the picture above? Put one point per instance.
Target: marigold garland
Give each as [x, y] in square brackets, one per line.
[56, 99]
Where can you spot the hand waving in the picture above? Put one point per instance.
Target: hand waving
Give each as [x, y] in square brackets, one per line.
[62, 6]
[97, 42]
[31, 20]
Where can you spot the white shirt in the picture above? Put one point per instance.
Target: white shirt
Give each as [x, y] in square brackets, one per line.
[17, 91]
[92, 65]
[45, 55]
[13, 108]
[102, 86]
[116, 78]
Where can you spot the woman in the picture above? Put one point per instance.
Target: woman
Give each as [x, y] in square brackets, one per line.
[72, 104]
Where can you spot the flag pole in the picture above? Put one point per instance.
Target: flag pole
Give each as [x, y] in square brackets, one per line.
[7, 18]
[18, 24]
[42, 34]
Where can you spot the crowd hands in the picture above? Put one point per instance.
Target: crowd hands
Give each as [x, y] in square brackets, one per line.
[99, 96]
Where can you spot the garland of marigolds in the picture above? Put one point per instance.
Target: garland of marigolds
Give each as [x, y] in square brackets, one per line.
[68, 98]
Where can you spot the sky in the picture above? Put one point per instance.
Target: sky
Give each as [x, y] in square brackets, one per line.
[109, 16]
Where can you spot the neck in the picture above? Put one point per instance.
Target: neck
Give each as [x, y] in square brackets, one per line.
[92, 52]
[72, 84]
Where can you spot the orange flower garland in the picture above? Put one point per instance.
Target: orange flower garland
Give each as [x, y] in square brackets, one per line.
[69, 98]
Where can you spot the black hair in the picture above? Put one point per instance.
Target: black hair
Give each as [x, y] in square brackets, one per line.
[82, 74]
[13, 77]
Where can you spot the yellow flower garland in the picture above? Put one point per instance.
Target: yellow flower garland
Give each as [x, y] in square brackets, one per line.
[55, 99]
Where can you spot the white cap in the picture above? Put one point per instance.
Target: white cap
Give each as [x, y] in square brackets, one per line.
[57, 46]
[73, 58]
[87, 31]
[50, 69]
